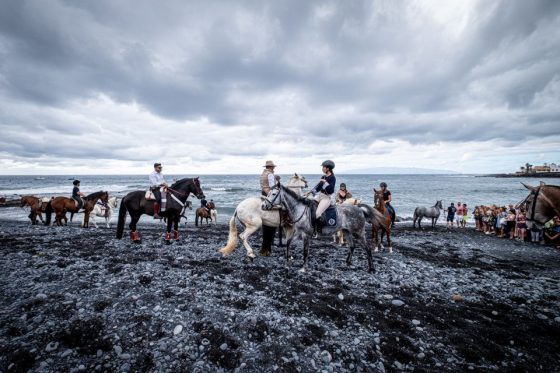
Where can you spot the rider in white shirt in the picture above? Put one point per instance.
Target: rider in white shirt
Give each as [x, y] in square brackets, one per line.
[156, 182]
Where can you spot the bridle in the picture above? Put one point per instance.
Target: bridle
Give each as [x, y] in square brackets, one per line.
[536, 193]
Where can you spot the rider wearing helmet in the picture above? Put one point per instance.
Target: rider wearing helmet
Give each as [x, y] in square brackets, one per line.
[77, 195]
[387, 197]
[343, 194]
[324, 189]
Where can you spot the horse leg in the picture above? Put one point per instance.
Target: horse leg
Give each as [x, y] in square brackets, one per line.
[419, 221]
[368, 251]
[176, 228]
[389, 239]
[375, 237]
[288, 258]
[249, 230]
[93, 219]
[350, 240]
[107, 219]
[305, 253]
[168, 231]
[133, 233]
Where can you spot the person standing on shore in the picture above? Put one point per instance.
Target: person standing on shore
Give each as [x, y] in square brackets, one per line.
[464, 217]
[451, 215]
[267, 182]
[459, 214]
[156, 182]
[388, 197]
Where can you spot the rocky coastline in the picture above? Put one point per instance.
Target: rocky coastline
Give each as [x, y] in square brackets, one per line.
[77, 299]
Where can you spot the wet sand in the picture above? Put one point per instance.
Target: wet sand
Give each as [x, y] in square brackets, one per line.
[77, 299]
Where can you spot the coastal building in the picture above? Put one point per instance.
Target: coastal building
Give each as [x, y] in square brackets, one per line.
[544, 168]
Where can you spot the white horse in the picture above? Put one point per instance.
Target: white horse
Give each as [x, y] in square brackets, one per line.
[251, 215]
[102, 211]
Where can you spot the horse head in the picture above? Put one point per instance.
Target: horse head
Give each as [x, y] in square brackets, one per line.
[273, 198]
[439, 204]
[186, 186]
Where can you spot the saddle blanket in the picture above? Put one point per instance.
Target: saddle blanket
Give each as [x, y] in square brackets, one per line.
[329, 216]
[150, 195]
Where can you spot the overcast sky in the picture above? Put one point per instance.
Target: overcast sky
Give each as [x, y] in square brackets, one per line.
[220, 87]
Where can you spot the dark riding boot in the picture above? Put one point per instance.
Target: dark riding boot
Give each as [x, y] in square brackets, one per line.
[268, 237]
[156, 210]
[319, 222]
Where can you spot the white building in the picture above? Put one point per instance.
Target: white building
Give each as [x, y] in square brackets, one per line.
[554, 167]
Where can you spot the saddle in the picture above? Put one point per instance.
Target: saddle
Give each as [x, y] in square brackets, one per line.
[79, 202]
[329, 217]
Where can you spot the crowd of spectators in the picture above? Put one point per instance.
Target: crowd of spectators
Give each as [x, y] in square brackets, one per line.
[505, 222]
[511, 222]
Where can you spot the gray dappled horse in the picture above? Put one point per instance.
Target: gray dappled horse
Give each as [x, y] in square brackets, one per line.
[543, 202]
[350, 219]
[427, 212]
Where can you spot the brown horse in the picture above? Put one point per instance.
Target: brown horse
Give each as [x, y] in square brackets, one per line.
[36, 205]
[543, 202]
[385, 221]
[61, 205]
[205, 213]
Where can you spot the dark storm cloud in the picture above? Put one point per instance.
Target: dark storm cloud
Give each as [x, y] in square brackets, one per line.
[358, 71]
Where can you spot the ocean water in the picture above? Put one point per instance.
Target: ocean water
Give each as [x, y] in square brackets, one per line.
[409, 191]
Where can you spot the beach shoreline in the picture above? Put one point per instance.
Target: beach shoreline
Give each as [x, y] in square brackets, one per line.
[79, 299]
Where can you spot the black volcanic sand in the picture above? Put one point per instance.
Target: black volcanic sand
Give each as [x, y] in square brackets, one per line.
[77, 299]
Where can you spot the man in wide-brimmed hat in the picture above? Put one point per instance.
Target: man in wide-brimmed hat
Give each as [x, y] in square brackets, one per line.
[267, 180]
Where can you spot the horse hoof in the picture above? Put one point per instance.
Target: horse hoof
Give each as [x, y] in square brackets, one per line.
[302, 270]
[264, 253]
[376, 250]
[168, 242]
[137, 241]
[390, 250]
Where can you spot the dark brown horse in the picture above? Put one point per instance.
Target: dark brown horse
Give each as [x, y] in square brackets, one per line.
[385, 226]
[543, 202]
[37, 207]
[61, 205]
[205, 213]
[136, 204]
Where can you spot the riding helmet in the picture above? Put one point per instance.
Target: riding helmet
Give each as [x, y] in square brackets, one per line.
[383, 185]
[328, 163]
[76, 182]
[342, 185]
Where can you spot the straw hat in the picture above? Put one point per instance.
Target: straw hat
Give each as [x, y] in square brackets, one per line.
[269, 164]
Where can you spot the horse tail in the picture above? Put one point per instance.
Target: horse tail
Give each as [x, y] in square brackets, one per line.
[122, 219]
[232, 238]
[196, 218]
[48, 212]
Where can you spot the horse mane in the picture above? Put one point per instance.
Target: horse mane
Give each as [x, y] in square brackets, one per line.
[306, 201]
[95, 195]
[181, 181]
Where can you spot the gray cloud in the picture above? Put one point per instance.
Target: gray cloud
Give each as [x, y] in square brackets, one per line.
[299, 74]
